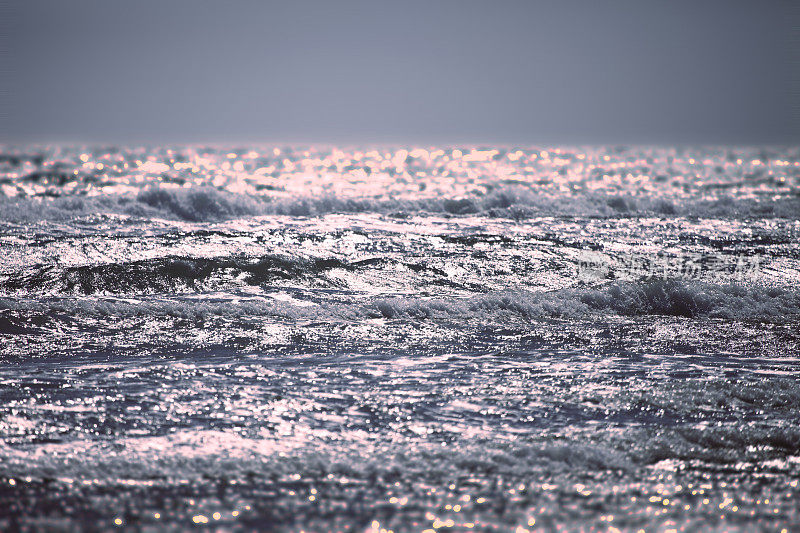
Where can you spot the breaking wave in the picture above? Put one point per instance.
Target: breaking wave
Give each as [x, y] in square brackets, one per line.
[165, 274]
[667, 298]
[200, 204]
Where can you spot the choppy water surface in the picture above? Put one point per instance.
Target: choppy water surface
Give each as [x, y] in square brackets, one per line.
[406, 339]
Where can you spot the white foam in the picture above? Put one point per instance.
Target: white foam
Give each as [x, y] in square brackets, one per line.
[672, 298]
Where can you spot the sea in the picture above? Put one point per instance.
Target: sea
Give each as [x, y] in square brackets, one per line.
[399, 338]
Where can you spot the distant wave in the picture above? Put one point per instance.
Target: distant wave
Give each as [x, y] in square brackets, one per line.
[199, 204]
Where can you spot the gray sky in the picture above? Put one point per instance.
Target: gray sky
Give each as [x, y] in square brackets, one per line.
[436, 71]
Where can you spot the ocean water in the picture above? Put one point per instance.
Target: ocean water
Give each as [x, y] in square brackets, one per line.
[407, 339]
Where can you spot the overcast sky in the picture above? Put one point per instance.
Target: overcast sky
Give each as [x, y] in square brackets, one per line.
[372, 72]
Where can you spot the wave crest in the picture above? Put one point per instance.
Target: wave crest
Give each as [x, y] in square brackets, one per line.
[669, 298]
[202, 203]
